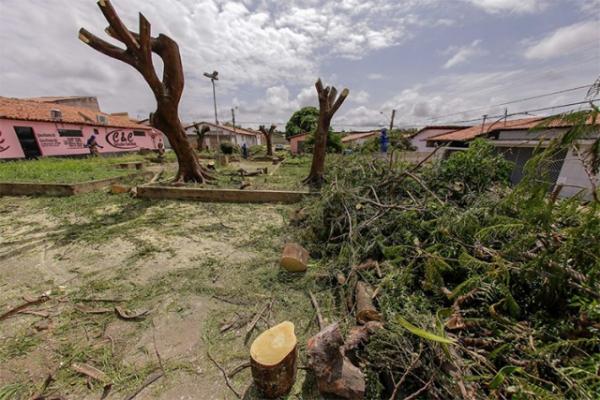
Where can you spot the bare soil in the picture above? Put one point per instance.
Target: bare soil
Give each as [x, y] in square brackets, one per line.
[191, 266]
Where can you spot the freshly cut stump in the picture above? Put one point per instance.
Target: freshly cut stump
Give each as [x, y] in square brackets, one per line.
[273, 357]
[294, 258]
[365, 310]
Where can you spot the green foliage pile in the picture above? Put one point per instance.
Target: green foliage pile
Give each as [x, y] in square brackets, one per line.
[487, 292]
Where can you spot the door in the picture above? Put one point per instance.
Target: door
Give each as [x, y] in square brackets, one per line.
[28, 143]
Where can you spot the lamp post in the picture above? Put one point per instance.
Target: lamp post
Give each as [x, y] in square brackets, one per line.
[214, 77]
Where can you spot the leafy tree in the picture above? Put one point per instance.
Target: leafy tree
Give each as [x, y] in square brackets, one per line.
[334, 142]
[303, 120]
[399, 140]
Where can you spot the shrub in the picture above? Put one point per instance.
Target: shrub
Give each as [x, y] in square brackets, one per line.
[227, 148]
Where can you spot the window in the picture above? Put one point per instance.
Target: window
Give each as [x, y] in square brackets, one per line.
[139, 133]
[69, 133]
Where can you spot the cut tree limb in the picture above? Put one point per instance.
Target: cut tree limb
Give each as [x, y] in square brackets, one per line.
[273, 356]
[320, 321]
[31, 302]
[335, 373]
[365, 310]
[149, 381]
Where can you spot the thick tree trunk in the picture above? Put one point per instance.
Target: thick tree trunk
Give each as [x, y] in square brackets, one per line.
[316, 176]
[190, 169]
[269, 145]
[329, 103]
[269, 137]
[138, 53]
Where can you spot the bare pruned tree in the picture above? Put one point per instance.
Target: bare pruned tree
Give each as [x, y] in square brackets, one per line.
[138, 53]
[268, 134]
[329, 103]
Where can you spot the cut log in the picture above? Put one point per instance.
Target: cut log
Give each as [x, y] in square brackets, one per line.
[273, 357]
[365, 310]
[358, 337]
[294, 258]
[117, 188]
[334, 372]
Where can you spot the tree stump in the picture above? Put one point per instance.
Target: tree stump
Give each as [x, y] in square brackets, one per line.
[273, 357]
[334, 372]
[222, 160]
[365, 310]
[294, 258]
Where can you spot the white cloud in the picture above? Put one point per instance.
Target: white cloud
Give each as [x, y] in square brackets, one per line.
[513, 6]
[589, 6]
[360, 97]
[566, 40]
[463, 54]
[375, 77]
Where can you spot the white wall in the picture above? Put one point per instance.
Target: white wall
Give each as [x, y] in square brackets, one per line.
[573, 176]
[420, 140]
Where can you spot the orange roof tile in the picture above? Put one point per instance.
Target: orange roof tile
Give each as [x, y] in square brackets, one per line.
[31, 110]
[240, 131]
[478, 130]
[352, 136]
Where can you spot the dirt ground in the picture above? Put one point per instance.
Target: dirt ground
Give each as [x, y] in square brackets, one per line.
[192, 267]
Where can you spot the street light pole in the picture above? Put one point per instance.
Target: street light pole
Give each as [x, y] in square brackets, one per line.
[214, 77]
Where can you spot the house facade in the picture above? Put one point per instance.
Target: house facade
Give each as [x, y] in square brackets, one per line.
[359, 138]
[222, 133]
[420, 138]
[297, 143]
[32, 128]
[517, 140]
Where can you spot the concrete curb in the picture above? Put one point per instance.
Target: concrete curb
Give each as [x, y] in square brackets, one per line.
[60, 189]
[221, 195]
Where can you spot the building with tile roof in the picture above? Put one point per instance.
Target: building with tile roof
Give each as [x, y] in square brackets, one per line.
[34, 128]
[221, 133]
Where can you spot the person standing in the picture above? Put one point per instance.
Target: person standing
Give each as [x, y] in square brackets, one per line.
[384, 141]
[245, 151]
[92, 144]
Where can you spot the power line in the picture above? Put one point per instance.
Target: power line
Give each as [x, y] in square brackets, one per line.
[513, 101]
[526, 112]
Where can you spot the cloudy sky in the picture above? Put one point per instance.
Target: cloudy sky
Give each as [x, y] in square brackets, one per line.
[434, 61]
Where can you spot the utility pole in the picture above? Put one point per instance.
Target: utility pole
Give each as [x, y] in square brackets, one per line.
[214, 77]
[483, 124]
[392, 121]
[233, 117]
[505, 115]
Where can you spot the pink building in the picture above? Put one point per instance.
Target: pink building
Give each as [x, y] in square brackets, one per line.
[297, 143]
[34, 128]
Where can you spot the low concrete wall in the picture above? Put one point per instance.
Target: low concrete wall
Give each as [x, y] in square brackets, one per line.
[221, 195]
[60, 189]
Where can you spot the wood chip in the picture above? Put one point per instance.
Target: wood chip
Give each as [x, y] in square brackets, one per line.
[129, 315]
[91, 372]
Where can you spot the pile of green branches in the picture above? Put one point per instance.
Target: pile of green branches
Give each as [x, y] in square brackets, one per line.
[487, 291]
